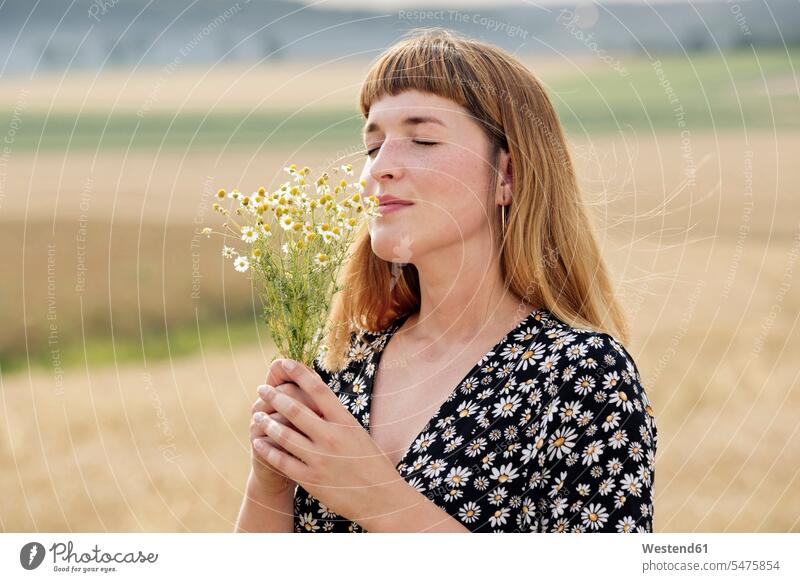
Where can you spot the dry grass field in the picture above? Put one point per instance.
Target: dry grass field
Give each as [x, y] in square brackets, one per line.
[267, 86]
[705, 248]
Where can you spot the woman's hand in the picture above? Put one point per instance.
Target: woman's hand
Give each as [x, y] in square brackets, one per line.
[331, 456]
[267, 479]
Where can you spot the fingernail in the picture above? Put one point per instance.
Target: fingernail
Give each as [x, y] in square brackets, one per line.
[260, 417]
[265, 390]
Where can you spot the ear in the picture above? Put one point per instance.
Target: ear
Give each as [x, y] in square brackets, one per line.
[506, 184]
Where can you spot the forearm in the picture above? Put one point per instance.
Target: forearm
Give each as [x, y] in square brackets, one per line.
[263, 512]
[401, 508]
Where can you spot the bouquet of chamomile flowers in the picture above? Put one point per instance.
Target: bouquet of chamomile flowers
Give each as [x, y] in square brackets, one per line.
[293, 242]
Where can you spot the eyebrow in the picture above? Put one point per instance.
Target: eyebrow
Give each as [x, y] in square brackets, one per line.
[411, 120]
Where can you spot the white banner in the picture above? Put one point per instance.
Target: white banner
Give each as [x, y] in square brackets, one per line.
[84, 556]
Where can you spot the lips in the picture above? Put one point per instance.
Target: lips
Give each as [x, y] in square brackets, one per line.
[392, 207]
[386, 199]
[389, 204]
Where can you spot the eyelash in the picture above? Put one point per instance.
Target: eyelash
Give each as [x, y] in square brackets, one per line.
[425, 143]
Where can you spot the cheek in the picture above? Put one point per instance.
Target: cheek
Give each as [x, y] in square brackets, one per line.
[455, 196]
[450, 206]
[459, 178]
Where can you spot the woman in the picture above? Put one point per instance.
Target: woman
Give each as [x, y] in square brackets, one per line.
[475, 379]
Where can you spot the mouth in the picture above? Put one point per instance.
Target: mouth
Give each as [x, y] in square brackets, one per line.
[390, 207]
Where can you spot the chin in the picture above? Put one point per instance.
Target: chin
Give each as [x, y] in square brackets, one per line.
[395, 244]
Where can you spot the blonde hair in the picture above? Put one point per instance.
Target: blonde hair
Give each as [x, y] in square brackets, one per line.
[549, 255]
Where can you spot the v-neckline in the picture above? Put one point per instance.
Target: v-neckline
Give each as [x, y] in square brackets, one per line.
[378, 355]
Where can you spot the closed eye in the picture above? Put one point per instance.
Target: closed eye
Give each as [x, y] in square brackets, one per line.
[424, 143]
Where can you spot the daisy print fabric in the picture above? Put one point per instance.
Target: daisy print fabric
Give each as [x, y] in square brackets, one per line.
[551, 431]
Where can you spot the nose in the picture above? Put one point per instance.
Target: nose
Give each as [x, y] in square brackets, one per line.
[387, 164]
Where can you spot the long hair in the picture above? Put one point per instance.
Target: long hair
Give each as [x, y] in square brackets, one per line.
[549, 255]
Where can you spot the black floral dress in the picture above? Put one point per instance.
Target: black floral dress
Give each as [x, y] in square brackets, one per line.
[551, 431]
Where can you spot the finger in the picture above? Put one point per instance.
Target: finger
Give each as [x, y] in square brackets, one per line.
[289, 388]
[283, 370]
[261, 405]
[295, 392]
[288, 438]
[267, 408]
[258, 457]
[265, 393]
[257, 430]
[282, 462]
[300, 416]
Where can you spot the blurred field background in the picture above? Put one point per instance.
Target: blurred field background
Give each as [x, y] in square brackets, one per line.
[130, 351]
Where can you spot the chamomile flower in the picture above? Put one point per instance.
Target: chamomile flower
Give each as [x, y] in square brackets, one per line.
[287, 222]
[322, 259]
[249, 234]
[241, 264]
[228, 252]
[327, 237]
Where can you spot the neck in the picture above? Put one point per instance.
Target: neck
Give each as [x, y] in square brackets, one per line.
[463, 297]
